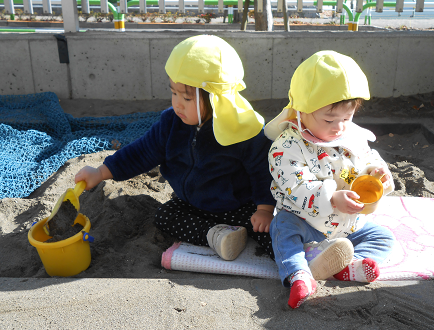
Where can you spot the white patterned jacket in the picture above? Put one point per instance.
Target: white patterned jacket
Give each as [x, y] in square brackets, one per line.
[306, 172]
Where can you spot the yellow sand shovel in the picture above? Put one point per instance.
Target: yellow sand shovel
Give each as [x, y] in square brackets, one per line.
[71, 195]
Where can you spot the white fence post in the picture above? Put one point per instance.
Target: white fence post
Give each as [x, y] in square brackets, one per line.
[379, 6]
[260, 6]
[85, 6]
[123, 6]
[28, 7]
[221, 10]
[339, 6]
[319, 6]
[201, 6]
[181, 6]
[162, 6]
[70, 15]
[104, 6]
[419, 5]
[143, 9]
[9, 7]
[359, 6]
[46, 7]
[399, 6]
[299, 6]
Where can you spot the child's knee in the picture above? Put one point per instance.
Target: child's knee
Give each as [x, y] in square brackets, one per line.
[389, 238]
[386, 235]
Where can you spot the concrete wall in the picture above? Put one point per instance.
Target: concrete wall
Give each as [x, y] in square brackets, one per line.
[130, 66]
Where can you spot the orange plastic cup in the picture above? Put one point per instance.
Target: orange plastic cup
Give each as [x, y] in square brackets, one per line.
[370, 190]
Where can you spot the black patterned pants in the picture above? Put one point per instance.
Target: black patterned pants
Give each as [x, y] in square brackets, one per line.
[190, 224]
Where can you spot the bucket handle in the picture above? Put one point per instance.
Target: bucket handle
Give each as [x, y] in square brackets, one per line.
[87, 237]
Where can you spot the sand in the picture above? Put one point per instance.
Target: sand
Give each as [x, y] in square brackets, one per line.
[127, 245]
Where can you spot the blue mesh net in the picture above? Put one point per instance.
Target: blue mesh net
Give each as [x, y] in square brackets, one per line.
[38, 138]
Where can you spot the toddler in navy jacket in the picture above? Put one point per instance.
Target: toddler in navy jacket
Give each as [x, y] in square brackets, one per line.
[211, 148]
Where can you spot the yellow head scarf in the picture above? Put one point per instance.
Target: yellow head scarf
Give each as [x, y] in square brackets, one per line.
[210, 63]
[324, 78]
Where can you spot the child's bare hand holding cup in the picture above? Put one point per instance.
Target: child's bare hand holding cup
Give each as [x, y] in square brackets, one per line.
[344, 201]
[382, 172]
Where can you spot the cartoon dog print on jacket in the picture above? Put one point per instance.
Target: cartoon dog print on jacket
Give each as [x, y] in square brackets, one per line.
[277, 158]
[331, 224]
[290, 196]
[315, 166]
[321, 153]
[288, 142]
[308, 146]
[281, 178]
[298, 175]
[348, 175]
[314, 212]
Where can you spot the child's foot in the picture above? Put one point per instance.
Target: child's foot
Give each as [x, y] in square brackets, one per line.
[302, 286]
[360, 270]
[328, 257]
[227, 241]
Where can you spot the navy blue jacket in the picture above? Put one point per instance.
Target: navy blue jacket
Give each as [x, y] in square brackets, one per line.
[202, 172]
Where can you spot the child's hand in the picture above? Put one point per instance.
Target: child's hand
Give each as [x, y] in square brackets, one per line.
[261, 219]
[344, 201]
[386, 179]
[93, 176]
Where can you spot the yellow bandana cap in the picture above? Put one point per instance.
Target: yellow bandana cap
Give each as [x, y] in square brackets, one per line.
[324, 78]
[210, 63]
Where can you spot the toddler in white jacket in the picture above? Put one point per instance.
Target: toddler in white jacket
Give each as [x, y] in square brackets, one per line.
[317, 153]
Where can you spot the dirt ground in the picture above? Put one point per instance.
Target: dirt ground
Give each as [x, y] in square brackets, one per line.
[127, 244]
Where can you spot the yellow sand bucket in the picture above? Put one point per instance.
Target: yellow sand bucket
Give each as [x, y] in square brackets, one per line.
[370, 190]
[63, 258]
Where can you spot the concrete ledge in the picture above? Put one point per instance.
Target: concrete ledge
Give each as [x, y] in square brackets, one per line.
[130, 65]
[188, 26]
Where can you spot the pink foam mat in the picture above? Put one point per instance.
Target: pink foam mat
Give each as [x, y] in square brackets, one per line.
[412, 258]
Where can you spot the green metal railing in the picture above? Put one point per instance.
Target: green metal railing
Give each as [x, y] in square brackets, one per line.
[119, 18]
[353, 19]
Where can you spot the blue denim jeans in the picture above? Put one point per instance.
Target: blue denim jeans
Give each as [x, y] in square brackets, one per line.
[289, 233]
